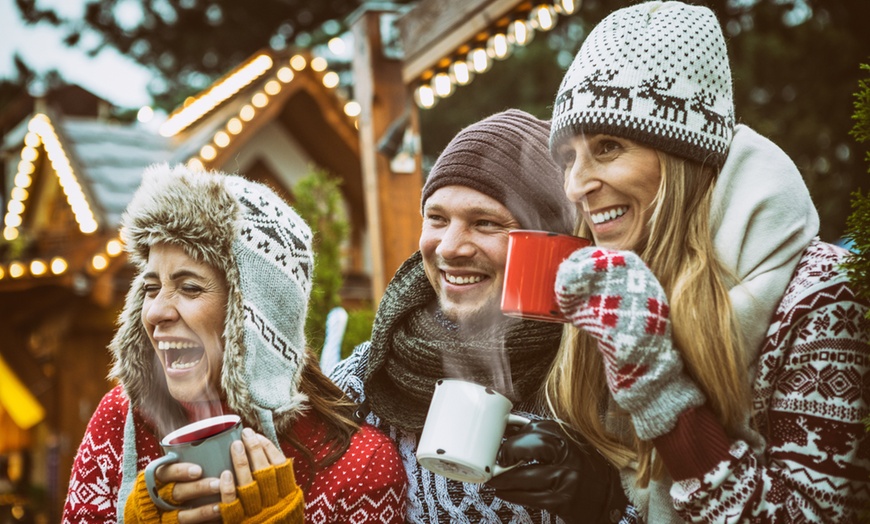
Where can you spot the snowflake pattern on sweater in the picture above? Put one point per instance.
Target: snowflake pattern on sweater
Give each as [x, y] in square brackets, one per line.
[811, 392]
[367, 484]
[432, 498]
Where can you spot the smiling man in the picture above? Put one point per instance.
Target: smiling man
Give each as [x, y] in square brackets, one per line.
[440, 315]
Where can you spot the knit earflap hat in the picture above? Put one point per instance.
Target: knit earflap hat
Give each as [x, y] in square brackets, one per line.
[657, 73]
[506, 157]
[244, 230]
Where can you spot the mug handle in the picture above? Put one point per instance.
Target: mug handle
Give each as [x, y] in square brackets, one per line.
[151, 481]
[513, 420]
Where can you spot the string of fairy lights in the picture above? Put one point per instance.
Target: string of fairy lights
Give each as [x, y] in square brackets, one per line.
[282, 74]
[458, 69]
[477, 57]
[41, 136]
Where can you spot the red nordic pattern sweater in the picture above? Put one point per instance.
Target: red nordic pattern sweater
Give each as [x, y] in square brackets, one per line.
[811, 391]
[367, 484]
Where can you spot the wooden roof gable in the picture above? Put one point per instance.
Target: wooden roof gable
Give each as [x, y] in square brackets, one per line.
[74, 179]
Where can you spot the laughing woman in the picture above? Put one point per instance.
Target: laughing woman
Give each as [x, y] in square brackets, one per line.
[213, 324]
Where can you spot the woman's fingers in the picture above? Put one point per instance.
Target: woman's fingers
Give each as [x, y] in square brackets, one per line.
[273, 453]
[178, 472]
[188, 484]
[241, 466]
[256, 451]
[227, 487]
[253, 453]
[185, 491]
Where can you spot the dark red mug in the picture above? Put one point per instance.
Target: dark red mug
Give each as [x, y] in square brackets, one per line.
[533, 259]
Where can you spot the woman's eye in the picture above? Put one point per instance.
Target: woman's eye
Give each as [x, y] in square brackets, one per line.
[608, 146]
[151, 289]
[191, 289]
[567, 159]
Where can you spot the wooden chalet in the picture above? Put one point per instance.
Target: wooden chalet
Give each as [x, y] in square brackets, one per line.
[70, 172]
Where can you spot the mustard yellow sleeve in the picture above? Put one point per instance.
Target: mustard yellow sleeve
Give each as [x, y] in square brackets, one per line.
[140, 509]
[272, 498]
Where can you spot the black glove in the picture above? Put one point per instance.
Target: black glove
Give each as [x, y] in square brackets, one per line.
[572, 481]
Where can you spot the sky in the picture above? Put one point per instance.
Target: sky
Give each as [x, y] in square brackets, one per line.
[109, 75]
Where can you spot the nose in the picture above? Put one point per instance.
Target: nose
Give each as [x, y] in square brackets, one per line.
[161, 308]
[456, 242]
[580, 180]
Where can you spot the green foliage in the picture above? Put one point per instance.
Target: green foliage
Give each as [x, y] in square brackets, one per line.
[858, 223]
[319, 202]
[359, 329]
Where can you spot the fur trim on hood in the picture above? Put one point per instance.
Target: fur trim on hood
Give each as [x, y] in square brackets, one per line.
[246, 232]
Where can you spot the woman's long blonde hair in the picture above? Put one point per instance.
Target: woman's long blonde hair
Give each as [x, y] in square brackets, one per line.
[679, 251]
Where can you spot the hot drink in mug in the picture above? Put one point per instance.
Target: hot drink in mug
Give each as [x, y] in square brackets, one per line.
[463, 431]
[533, 260]
[206, 443]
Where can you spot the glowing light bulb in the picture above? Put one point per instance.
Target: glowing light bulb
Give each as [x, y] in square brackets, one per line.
[479, 60]
[460, 73]
[58, 265]
[520, 32]
[442, 85]
[114, 247]
[99, 262]
[498, 46]
[543, 17]
[566, 7]
[424, 96]
[352, 109]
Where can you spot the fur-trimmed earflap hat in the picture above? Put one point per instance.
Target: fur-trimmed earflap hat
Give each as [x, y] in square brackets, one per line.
[657, 73]
[506, 157]
[263, 248]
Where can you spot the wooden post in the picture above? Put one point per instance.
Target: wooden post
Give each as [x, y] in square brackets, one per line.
[392, 200]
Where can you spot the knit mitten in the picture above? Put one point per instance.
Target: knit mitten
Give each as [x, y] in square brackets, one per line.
[613, 296]
[140, 509]
[272, 498]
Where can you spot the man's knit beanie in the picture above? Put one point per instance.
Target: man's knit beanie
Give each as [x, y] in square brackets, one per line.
[657, 73]
[506, 157]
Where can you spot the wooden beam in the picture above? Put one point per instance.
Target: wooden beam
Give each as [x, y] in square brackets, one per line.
[436, 29]
[392, 199]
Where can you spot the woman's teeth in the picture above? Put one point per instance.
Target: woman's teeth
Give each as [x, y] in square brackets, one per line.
[600, 218]
[473, 279]
[164, 345]
[177, 364]
[178, 355]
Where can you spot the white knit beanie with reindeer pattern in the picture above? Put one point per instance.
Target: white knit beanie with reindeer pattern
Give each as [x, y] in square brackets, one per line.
[657, 73]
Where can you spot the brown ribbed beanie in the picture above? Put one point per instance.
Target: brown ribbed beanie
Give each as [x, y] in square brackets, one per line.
[506, 156]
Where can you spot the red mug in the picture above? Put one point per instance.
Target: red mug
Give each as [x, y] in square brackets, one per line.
[533, 259]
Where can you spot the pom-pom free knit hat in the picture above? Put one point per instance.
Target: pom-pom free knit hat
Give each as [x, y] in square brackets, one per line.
[263, 248]
[657, 73]
[506, 157]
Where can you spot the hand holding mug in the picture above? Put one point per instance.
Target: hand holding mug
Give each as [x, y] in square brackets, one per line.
[253, 455]
[560, 473]
[257, 473]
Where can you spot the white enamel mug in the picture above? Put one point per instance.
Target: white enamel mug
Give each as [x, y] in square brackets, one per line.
[463, 431]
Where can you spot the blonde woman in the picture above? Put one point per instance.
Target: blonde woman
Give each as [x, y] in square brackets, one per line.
[717, 354]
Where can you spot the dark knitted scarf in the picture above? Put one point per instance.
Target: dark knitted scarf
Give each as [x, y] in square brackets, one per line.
[412, 346]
